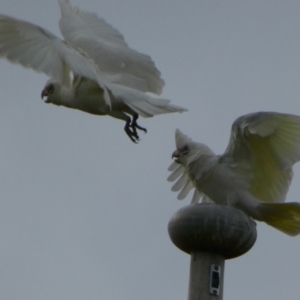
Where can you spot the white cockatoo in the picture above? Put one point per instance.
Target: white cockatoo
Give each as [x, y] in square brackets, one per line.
[252, 175]
[92, 70]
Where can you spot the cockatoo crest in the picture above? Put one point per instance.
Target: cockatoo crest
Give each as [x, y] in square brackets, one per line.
[188, 149]
[181, 139]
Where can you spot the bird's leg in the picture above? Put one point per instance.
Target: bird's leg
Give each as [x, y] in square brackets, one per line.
[134, 125]
[131, 133]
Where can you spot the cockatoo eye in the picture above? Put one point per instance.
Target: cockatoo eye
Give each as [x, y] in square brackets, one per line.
[185, 150]
[50, 89]
[180, 152]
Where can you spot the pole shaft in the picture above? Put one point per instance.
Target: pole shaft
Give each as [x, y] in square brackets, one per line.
[201, 276]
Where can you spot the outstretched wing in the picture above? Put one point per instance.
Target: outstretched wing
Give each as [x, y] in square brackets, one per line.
[107, 47]
[263, 148]
[184, 184]
[34, 47]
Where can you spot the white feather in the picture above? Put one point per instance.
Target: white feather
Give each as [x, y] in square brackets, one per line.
[174, 166]
[185, 190]
[196, 197]
[143, 104]
[176, 173]
[180, 183]
[107, 47]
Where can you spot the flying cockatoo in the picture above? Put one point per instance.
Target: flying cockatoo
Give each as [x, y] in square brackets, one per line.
[252, 175]
[92, 70]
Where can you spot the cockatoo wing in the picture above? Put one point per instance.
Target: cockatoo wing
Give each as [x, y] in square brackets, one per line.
[34, 47]
[263, 147]
[107, 47]
[143, 104]
[184, 184]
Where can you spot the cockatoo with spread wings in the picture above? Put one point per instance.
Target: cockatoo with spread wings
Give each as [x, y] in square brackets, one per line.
[92, 70]
[252, 175]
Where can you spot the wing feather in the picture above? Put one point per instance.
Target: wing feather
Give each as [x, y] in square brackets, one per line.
[141, 103]
[107, 47]
[34, 47]
[263, 148]
[21, 42]
[180, 183]
[196, 197]
[176, 173]
[183, 183]
[174, 166]
[185, 190]
[76, 23]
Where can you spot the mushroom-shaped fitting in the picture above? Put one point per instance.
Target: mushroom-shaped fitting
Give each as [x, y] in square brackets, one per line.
[208, 227]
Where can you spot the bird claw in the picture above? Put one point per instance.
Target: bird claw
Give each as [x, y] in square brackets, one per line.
[132, 134]
[143, 129]
[134, 125]
[131, 130]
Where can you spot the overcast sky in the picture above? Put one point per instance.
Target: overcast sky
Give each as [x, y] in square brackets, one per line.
[84, 211]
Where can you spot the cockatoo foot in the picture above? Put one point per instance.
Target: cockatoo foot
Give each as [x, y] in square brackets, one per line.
[131, 128]
[135, 125]
[132, 133]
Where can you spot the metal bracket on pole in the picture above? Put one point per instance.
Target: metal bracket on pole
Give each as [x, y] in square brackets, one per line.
[215, 278]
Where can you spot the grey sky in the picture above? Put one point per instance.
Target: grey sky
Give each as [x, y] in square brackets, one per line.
[84, 211]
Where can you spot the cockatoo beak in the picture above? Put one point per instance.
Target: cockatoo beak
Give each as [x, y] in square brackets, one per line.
[176, 154]
[45, 93]
[179, 153]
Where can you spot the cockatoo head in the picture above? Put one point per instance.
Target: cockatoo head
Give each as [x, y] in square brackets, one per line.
[188, 150]
[52, 92]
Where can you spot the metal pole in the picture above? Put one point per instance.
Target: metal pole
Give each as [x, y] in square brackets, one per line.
[210, 233]
[206, 276]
